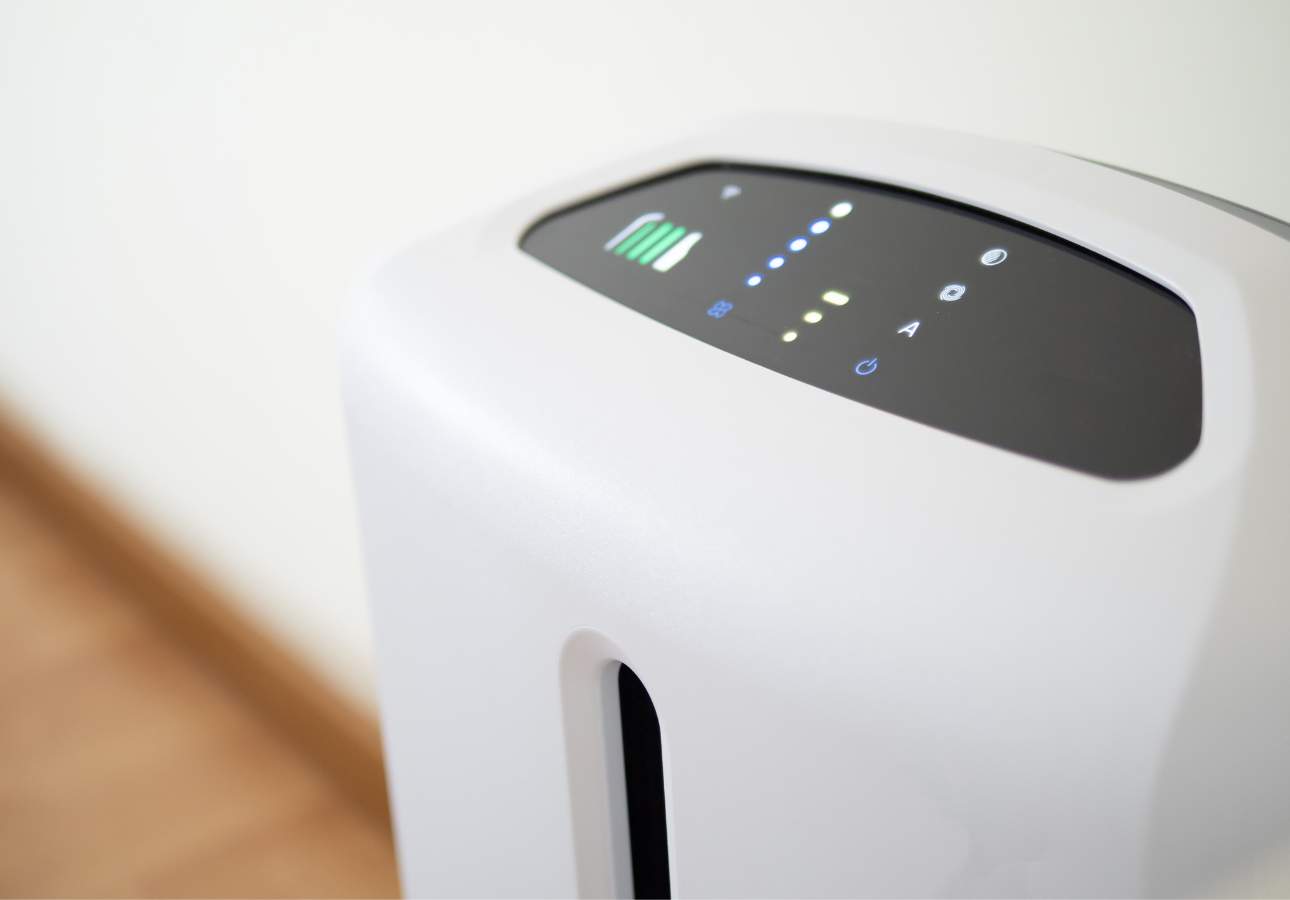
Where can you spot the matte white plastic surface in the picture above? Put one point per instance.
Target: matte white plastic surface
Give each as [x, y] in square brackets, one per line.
[887, 661]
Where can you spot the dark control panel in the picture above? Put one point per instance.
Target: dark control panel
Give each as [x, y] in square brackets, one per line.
[948, 315]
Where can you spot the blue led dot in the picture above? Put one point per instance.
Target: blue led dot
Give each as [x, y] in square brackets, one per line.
[775, 262]
[798, 244]
[819, 226]
[753, 280]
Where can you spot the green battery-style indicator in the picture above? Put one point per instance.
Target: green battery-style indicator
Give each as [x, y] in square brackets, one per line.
[651, 240]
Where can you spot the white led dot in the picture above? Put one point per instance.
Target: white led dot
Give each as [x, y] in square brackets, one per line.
[840, 209]
[788, 337]
[837, 298]
[775, 262]
[797, 244]
[819, 226]
[753, 280]
[812, 317]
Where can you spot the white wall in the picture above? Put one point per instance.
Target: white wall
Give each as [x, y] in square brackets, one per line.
[189, 190]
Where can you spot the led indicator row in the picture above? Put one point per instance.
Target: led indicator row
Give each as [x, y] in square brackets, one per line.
[814, 316]
[799, 243]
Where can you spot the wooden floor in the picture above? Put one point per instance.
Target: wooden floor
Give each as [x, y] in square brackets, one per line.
[127, 769]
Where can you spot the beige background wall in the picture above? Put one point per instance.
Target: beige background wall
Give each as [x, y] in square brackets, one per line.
[188, 191]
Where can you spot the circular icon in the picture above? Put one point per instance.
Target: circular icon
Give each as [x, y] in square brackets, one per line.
[867, 366]
[993, 256]
[952, 292]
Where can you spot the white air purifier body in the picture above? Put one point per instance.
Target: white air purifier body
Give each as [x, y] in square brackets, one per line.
[954, 643]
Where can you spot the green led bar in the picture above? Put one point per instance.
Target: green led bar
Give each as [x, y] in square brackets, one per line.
[647, 238]
[636, 238]
[662, 245]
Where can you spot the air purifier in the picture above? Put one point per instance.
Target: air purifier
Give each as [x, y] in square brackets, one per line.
[829, 508]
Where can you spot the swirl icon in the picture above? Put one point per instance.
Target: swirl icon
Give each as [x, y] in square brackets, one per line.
[953, 292]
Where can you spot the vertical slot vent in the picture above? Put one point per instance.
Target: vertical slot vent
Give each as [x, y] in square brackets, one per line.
[646, 810]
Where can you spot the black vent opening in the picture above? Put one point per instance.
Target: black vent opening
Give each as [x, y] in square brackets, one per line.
[646, 809]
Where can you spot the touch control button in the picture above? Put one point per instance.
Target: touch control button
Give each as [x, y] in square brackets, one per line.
[952, 292]
[867, 366]
[993, 256]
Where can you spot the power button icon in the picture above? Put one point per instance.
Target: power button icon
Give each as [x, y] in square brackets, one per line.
[867, 366]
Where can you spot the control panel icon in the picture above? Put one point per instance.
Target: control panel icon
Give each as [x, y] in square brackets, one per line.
[867, 366]
[993, 256]
[952, 292]
[651, 240]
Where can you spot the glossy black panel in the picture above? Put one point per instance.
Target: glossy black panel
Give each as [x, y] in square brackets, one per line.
[928, 309]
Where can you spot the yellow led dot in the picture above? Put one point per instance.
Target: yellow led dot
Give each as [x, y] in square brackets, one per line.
[837, 298]
[812, 317]
[789, 336]
[840, 209]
